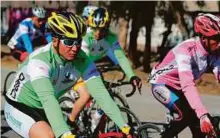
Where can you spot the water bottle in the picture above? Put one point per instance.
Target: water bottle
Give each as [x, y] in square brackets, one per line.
[96, 118]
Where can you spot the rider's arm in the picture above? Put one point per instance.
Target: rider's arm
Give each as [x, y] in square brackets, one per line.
[40, 78]
[98, 91]
[23, 30]
[216, 67]
[27, 43]
[187, 81]
[118, 53]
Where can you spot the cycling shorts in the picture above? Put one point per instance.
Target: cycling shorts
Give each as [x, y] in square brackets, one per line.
[21, 117]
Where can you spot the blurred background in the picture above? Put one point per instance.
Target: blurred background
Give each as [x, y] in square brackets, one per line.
[147, 30]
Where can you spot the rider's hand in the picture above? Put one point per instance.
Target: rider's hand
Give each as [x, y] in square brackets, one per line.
[206, 125]
[136, 81]
[68, 135]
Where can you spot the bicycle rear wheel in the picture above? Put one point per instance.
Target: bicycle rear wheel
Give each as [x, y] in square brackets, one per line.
[149, 131]
[9, 78]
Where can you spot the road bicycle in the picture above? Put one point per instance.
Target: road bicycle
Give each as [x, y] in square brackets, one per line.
[105, 128]
[154, 129]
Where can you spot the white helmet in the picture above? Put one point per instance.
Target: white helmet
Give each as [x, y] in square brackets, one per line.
[39, 12]
[87, 10]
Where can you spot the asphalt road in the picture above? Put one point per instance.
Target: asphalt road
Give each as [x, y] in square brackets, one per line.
[145, 107]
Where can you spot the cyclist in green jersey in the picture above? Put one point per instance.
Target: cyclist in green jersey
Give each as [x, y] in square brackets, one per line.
[101, 42]
[31, 107]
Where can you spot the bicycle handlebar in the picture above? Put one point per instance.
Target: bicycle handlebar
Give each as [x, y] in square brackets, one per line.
[107, 68]
[117, 84]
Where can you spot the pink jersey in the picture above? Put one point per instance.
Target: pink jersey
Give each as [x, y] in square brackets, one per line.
[182, 66]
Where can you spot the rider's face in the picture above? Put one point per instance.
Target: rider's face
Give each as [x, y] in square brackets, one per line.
[214, 46]
[68, 48]
[99, 33]
[38, 22]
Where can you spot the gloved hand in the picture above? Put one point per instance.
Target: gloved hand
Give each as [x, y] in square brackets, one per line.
[136, 81]
[206, 125]
[127, 131]
[68, 135]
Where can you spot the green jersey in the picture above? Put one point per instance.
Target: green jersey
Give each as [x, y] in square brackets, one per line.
[44, 77]
[108, 46]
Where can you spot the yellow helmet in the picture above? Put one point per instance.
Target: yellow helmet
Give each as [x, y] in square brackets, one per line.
[66, 25]
[99, 18]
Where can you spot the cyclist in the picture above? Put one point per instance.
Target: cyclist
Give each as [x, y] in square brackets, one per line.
[173, 80]
[31, 107]
[30, 29]
[101, 42]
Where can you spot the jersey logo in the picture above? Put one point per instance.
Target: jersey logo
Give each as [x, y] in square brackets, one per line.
[98, 48]
[68, 78]
[17, 85]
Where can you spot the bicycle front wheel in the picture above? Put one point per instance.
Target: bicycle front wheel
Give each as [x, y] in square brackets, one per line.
[120, 100]
[8, 80]
[149, 131]
[216, 124]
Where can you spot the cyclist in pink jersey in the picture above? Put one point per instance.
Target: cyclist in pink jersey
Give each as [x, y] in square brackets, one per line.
[173, 80]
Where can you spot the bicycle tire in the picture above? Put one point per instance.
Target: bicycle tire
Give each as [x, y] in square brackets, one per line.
[216, 124]
[149, 131]
[6, 82]
[121, 99]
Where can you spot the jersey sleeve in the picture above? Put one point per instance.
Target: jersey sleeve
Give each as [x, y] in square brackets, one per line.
[27, 43]
[187, 82]
[23, 32]
[43, 87]
[122, 60]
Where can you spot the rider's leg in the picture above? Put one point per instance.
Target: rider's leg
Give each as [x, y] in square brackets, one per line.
[171, 101]
[175, 101]
[27, 121]
[187, 115]
[84, 97]
[41, 129]
[195, 127]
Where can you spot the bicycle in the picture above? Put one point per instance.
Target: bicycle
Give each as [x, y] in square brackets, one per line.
[154, 129]
[114, 86]
[105, 128]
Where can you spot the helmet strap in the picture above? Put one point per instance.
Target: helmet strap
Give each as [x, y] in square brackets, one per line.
[206, 43]
[58, 46]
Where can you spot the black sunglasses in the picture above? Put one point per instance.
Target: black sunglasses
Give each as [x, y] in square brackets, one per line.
[104, 29]
[71, 42]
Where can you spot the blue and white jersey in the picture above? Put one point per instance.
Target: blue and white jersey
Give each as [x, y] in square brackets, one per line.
[25, 34]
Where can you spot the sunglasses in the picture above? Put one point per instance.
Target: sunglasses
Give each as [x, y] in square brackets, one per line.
[41, 20]
[71, 42]
[104, 29]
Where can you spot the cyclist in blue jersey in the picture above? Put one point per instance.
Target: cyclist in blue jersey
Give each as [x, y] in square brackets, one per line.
[30, 29]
